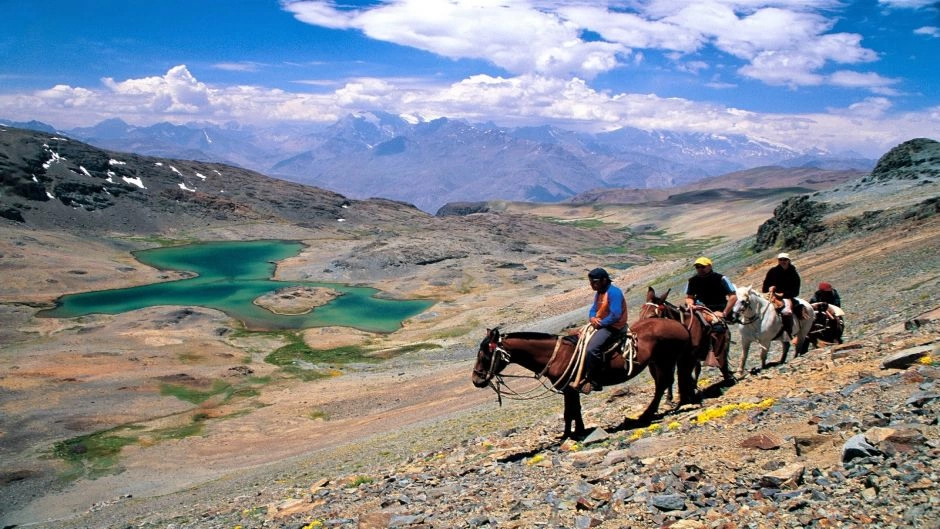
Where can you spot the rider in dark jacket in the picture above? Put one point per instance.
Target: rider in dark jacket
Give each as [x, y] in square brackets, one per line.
[784, 281]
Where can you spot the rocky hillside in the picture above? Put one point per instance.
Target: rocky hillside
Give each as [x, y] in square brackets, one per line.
[53, 182]
[844, 437]
[807, 221]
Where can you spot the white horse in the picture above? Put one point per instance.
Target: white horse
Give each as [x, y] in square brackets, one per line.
[761, 323]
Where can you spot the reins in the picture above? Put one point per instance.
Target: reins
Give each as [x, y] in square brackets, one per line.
[501, 388]
[757, 314]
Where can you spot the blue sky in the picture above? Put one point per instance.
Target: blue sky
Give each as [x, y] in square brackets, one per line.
[838, 75]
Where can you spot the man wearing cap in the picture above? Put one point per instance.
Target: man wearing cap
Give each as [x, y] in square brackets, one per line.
[608, 316]
[711, 289]
[715, 292]
[783, 281]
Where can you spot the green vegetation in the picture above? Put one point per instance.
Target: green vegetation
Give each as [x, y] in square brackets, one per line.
[97, 454]
[94, 455]
[196, 396]
[580, 223]
[360, 480]
[319, 415]
[682, 247]
[162, 241]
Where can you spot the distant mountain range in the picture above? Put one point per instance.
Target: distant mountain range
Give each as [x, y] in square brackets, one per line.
[431, 163]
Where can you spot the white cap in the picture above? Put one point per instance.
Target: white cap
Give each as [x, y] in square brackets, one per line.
[783, 255]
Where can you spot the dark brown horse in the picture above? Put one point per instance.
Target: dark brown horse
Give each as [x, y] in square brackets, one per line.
[662, 345]
[703, 339]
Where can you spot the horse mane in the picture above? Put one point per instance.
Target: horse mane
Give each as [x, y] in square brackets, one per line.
[529, 335]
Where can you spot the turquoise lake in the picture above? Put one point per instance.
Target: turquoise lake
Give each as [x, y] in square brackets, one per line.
[230, 275]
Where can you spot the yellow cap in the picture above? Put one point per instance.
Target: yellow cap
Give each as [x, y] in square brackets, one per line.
[704, 261]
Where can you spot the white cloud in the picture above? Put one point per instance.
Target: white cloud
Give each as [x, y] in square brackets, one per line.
[930, 31]
[244, 66]
[907, 4]
[869, 80]
[176, 92]
[782, 42]
[867, 126]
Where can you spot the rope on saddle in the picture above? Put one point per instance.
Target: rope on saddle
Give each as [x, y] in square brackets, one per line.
[580, 350]
[629, 350]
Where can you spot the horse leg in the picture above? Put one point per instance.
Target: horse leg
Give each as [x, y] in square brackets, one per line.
[574, 424]
[663, 379]
[786, 349]
[745, 347]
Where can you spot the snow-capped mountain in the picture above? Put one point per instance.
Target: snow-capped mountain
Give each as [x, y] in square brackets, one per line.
[430, 163]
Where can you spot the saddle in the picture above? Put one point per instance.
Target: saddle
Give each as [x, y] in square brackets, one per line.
[623, 343]
[776, 299]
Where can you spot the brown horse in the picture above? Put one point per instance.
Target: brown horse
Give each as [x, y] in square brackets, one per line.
[661, 344]
[703, 339]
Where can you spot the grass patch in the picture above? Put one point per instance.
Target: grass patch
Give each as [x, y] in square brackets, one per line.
[319, 415]
[186, 430]
[580, 223]
[682, 247]
[98, 454]
[457, 332]
[298, 353]
[360, 480]
[95, 454]
[196, 396]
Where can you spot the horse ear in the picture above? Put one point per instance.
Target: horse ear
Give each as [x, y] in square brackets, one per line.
[666, 295]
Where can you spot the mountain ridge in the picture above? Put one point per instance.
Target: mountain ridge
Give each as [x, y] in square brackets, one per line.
[457, 161]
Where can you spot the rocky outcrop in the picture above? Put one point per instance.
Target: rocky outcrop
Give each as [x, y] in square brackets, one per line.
[459, 209]
[910, 160]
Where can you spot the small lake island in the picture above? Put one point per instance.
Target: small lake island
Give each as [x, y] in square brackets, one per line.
[296, 299]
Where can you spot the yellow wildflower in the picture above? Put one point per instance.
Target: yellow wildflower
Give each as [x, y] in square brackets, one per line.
[536, 459]
[926, 360]
[674, 425]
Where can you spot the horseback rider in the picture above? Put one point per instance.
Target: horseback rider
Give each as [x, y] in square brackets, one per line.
[826, 294]
[608, 316]
[783, 282]
[715, 292]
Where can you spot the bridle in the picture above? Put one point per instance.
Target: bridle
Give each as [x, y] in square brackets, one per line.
[496, 353]
[496, 379]
[746, 305]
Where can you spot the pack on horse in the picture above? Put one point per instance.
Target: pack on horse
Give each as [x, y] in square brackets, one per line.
[711, 338]
[660, 344]
[828, 325]
[761, 323]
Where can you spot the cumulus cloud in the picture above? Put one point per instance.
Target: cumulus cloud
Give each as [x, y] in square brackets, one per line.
[782, 42]
[930, 31]
[176, 92]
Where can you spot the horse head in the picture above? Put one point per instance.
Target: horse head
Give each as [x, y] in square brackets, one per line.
[745, 301]
[655, 305]
[491, 359]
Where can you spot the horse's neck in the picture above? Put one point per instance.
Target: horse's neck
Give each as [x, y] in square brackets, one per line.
[532, 354]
